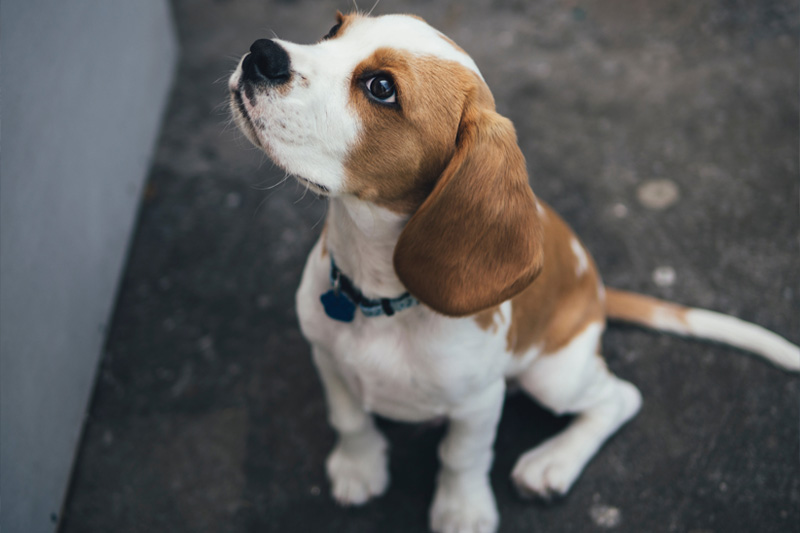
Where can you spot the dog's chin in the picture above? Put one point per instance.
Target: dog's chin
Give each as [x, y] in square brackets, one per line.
[246, 126]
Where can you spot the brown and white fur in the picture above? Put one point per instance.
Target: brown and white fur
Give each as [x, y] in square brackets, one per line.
[430, 195]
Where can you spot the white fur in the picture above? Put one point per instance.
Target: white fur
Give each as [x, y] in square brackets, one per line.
[730, 330]
[357, 465]
[580, 254]
[573, 380]
[364, 236]
[744, 335]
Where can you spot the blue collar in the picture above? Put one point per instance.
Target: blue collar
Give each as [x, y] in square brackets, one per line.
[341, 301]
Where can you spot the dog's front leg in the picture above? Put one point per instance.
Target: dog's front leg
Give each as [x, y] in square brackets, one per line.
[464, 500]
[357, 465]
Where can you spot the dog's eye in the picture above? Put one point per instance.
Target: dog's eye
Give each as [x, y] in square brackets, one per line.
[333, 31]
[381, 87]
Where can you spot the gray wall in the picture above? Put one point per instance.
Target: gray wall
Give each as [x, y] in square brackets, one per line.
[84, 84]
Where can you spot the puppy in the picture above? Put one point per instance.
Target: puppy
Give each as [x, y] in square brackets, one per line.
[439, 276]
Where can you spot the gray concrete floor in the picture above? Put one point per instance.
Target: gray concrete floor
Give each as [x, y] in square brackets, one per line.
[208, 415]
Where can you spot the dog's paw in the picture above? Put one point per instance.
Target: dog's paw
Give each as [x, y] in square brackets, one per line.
[464, 507]
[358, 470]
[548, 471]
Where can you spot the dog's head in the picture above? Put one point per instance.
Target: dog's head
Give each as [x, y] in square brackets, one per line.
[389, 110]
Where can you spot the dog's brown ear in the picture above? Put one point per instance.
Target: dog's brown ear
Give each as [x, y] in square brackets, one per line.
[476, 241]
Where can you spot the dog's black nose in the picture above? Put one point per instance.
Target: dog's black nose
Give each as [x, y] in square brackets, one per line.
[266, 62]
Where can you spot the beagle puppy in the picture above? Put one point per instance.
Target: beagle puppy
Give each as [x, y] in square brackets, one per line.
[439, 276]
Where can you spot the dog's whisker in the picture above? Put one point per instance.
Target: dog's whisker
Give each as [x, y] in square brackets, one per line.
[278, 184]
[305, 191]
[260, 204]
[373, 7]
[322, 217]
[263, 159]
[223, 106]
[224, 77]
[228, 125]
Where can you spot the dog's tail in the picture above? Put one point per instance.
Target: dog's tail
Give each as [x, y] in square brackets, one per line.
[690, 322]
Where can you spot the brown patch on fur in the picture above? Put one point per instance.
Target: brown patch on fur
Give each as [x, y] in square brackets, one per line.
[489, 319]
[476, 240]
[402, 151]
[641, 309]
[559, 304]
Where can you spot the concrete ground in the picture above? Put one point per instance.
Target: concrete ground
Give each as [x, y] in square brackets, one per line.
[666, 133]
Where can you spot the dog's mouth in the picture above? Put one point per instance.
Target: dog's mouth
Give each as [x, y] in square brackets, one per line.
[247, 123]
[237, 98]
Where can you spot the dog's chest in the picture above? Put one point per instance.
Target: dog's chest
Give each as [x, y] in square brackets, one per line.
[405, 368]
[413, 366]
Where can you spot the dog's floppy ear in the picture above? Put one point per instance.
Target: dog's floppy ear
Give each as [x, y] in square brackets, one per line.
[476, 241]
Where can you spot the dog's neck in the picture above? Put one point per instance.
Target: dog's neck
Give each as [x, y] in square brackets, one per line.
[361, 237]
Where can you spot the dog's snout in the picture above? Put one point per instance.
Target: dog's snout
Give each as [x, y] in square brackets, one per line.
[266, 62]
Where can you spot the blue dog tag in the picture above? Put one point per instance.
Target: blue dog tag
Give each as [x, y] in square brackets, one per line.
[338, 306]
